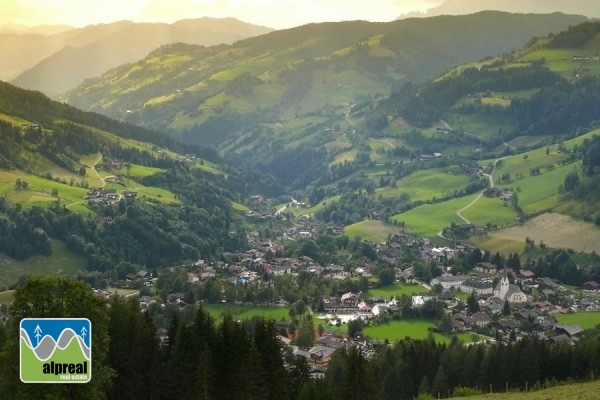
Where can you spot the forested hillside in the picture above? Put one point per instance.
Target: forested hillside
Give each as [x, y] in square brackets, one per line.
[148, 206]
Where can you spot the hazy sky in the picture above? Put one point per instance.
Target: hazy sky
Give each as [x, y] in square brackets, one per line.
[273, 13]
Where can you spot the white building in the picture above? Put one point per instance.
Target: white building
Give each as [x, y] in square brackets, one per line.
[449, 281]
[509, 291]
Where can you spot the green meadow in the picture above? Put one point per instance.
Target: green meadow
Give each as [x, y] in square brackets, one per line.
[241, 312]
[414, 329]
[586, 320]
[490, 210]
[239, 207]
[316, 208]
[572, 391]
[429, 219]
[396, 290]
[349, 155]
[374, 230]
[7, 296]
[425, 185]
[61, 262]
[39, 191]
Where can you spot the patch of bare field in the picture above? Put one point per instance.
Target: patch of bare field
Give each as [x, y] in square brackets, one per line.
[556, 231]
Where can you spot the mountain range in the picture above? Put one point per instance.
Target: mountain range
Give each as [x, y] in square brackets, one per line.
[588, 8]
[54, 63]
[292, 73]
[39, 29]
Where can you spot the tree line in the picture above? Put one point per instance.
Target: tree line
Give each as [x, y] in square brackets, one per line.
[203, 359]
[200, 360]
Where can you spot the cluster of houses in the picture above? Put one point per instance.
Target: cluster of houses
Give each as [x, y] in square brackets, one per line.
[585, 58]
[503, 194]
[96, 196]
[108, 164]
[259, 214]
[534, 301]
[320, 354]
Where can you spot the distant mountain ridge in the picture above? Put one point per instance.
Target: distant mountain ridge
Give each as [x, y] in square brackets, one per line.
[589, 8]
[55, 63]
[212, 93]
[39, 29]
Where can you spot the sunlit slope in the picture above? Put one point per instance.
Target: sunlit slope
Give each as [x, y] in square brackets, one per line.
[300, 70]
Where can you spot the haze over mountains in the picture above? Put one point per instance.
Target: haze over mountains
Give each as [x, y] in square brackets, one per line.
[55, 63]
[459, 7]
[39, 29]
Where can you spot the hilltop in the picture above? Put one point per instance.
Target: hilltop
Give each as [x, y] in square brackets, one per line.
[458, 7]
[56, 62]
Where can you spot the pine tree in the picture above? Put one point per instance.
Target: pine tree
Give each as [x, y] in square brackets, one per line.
[472, 303]
[254, 384]
[299, 375]
[357, 379]
[270, 359]
[424, 386]
[440, 383]
[506, 311]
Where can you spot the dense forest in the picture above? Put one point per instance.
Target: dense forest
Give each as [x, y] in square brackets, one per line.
[37, 108]
[140, 233]
[559, 107]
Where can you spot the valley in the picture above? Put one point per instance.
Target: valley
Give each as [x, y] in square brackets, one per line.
[341, 210]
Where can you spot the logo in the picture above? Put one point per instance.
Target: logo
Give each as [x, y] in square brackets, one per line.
[56, 350]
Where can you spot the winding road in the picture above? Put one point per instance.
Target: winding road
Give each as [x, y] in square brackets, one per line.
[490, 177]
[103, 180]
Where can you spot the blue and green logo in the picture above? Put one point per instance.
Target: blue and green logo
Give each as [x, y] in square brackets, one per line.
[56, 350]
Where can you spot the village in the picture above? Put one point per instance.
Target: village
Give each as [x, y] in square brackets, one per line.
[489, 303]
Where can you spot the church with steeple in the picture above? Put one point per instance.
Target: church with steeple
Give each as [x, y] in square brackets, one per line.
[509, 291]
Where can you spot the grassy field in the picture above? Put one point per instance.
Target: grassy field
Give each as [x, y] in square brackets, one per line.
[492, 210]
[316, 208]
[349, 156]
[497, 244]
[7, 296]
[239, 207]
[586, 320]
[538, 193]
[123, 292]
[397, 289]
[217, 311]
[425, 185]
[159, 194]
[415, 329]
[62, 262]
[139, 171]
[480, 125]
[556, 231]
[374, 230]
[429, 219]
[39, 191]
[575, 391]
